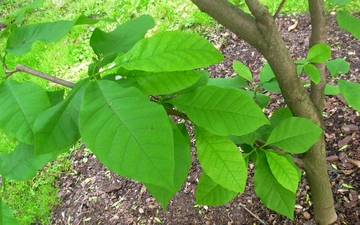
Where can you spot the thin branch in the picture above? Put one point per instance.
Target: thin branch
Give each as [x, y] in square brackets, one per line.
[28, 70]
[251, 213]
[279, 9]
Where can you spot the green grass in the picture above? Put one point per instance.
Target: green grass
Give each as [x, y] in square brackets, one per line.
[33, 200]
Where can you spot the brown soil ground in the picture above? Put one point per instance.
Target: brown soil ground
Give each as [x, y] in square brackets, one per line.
[91, 194]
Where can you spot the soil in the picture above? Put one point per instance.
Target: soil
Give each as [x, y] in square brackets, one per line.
[91, 194]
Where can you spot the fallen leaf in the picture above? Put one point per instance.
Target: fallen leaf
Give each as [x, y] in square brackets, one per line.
[292, 27]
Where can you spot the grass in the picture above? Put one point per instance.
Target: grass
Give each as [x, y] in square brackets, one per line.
[33, 200]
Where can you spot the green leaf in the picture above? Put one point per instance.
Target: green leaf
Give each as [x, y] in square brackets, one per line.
[261, 99]
[350, 91]
[162, 83]
[222, 111]
[56, 97]
[123, 38]
[182, 166]
[269, 190]
[268, 80]
[22, 164]
[319, 53]
[339, 2]
[331, 90]
[271, 86]
[19, 15]
[242, 70]
[284, 172]
[313, 73]
[234, 82]
[170, 51]
[244, 139]
[349, 23]
[6, 215]
[21, 39]
[20, 105]
[299, 69]
[122, 128]
[280, 115]
[57, 128]
[221, 160]
[295, 135]
[212, 194]
[337, 66]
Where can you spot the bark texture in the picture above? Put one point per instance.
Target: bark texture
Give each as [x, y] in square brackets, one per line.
[260, 30]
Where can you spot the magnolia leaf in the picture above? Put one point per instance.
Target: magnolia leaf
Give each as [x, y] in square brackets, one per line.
[331, 90]
[6, 215]
[212, 194]
[22, 163]
[313, 73]
[122, 128]
[234, 82]
[20, 105]
[337, 66]
[284, 172]
[169, 52]
[295, 135]
[350, 91]
[349, 23]
[221, 160]
[319, 53]
[57, 128]
[222, 111]
[242, 70]
[269, 190]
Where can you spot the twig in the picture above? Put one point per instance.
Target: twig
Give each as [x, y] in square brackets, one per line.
[279, 8]
[255, 216]
[22, 68]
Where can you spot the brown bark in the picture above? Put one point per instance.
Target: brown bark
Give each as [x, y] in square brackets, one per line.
[261, 32]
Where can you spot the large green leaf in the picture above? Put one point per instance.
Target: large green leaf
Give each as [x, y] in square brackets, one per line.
[212, 194]
[280, 115]
[182, 165]
[295, 135]
[337, 66]
[319, 53]
[221, 160]
[22, 164]
[20, 105]
[349, 23]
[284, 172]
[123, 38]
[57, 128]
[170, 51]
[269, 190]
[162, 83]
[350, 91]
[129, 134]
[21, 39]
[6, 215]
[222, 111]
[313, 73]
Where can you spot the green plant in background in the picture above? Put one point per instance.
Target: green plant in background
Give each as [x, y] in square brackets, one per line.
[121, 112]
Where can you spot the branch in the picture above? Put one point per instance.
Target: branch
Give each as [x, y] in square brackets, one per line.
[28, 70]
[279, 9]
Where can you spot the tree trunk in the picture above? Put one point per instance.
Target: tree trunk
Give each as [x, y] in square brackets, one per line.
[261, 32]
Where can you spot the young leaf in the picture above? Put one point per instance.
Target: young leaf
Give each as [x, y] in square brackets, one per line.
[337, 66]
[221, 160]
[349, 23]
[319, 53]
[212, 194]
[20, 105]
[284, 172]
[269, 190]
[350, 91]
[234, 82]
[162, 83]
[295, 135]
[242, 70]
[21, 39]
[123, 38]
[122, 128]
[6, 215]
[222, 111]
[170, 51]
[57, 128]
[331, 90]
[22, 164]
[182, 166]
[313, 73]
